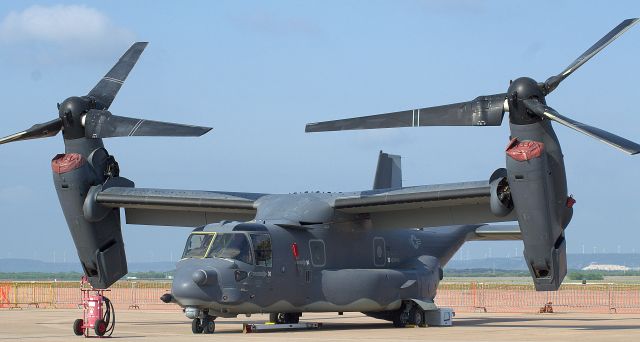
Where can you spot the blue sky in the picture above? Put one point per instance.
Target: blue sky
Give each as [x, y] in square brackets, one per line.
[258, 71]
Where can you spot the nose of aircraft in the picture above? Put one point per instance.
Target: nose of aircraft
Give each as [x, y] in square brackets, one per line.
[202, 282]
[196, 282]
[204, 277]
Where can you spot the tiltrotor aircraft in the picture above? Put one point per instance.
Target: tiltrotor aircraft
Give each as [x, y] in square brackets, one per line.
[378, 251]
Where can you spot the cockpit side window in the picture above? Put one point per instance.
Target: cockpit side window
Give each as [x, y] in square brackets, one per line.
[262, 248]
[197, 245]
[233, 246]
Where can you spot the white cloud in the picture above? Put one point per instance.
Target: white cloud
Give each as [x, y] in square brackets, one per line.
[50, 33]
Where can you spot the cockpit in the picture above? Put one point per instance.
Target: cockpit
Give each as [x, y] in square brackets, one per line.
[252, 248]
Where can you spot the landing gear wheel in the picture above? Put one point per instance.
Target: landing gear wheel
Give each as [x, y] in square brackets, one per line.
[208, 325]
[196, 327]
[77, 327]
[100, 327]
[274, 318]
[400, 318]
[416, 316]
[284, 318]
[398, 322]
[292, 318]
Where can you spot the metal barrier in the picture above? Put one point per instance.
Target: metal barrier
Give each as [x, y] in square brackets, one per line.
[66, 294]
[4, 295]
[490, 297]
[472, 296]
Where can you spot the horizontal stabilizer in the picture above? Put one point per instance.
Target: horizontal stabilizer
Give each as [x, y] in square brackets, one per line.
[494, 232]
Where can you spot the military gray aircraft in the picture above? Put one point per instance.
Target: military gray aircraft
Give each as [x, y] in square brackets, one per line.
[378, 251]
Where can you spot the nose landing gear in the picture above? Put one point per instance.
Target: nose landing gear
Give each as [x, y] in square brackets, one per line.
[204, 324]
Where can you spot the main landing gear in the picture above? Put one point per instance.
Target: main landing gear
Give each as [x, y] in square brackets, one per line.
[204, 324]
[409, 314]
[285, 318]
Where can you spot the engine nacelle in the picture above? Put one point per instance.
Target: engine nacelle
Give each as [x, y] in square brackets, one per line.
[95, 231]
[500, 202]
[537, 182]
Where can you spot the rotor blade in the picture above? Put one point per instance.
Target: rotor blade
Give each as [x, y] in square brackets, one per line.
[105, 91]
[594, 132]
[43, 130]
[482, 111]
[102, 124]
[554, 81]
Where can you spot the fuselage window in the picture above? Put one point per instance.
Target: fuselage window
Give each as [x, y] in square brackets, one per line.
[197, 245]
[379, 252]
[318, 258]
[233, 246]
[262, 248]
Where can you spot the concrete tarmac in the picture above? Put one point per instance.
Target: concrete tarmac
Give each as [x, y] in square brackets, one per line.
[56, 325]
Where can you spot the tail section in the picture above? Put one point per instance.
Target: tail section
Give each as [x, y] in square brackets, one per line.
[388, 172]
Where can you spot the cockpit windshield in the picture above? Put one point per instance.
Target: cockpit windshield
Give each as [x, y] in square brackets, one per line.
[197, 245]
[233, 246]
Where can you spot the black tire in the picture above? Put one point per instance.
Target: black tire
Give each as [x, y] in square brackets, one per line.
[273, 318]
[400, 319]
[416, 316]
[100, 327]
[208, 326]
[196, 327]
[284, 318]
[291, 318]
[279, 318]
[398, 323]
[77, 327]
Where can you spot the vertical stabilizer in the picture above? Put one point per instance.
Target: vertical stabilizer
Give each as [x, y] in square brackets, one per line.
[389, 172]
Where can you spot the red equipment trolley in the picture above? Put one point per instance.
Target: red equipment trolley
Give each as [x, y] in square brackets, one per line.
[98, 312]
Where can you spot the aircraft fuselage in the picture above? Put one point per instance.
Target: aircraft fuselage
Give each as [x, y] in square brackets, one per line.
[310, 270]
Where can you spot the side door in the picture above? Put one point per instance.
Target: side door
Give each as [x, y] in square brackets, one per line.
[263, 255]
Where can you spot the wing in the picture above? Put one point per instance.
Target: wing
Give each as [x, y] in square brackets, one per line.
[187, 208]
[424, 206]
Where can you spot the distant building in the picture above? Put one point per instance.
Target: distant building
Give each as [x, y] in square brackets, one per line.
[603, 267]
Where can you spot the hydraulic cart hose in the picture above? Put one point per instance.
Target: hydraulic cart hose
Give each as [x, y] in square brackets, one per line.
[109, 316]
